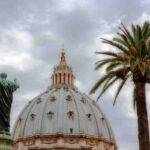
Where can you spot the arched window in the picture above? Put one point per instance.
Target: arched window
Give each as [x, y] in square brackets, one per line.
[56, 78]
[68, 78]
[50, 115]
[70, 114]
[52, 79]
[64, 78]
[59, 78]
[68, 98]
[71, 130]
[72, 79]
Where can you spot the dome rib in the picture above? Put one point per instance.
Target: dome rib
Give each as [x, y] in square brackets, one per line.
[94, 122]
[77, 110]
[97, 116]
[82, 119]
[15, 126]
[94, 116]
[111, 134]
[27, 115]
[59, 111]
[46, 102]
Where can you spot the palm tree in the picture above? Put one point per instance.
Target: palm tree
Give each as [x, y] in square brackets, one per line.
[130, 61]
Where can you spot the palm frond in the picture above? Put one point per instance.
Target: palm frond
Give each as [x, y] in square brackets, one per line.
[108, 53]
[128, 34]
[125, 39]
[101, 63]
[134, 32]
[117, 45]
[101, 81]
[119, 89]
[106, 87]
[118, 40]
[142, 68]
[146, 29]
[112, 66]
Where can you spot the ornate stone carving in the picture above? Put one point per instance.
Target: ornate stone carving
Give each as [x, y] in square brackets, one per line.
[50, 114]
[107, 146]
[91, 142]
[69, 98]
[83, 100]
[49, 140]
[39, 100]
[52, 99]
[29, 142]
[71, 140]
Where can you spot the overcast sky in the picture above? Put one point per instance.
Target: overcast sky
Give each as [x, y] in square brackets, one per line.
[32, 33]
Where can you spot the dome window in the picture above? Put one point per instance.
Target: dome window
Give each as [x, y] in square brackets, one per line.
[102, 118]
[32, 116]
[71, 130]
[70, 114]
[107, 146]
[20, 120]
[46, 91]
[52, 99]
[50, 115]
[76, 90]
[38, 100]
[29, 103]
[83, 100]
[68, 98]
[66, 88]
[89, 115]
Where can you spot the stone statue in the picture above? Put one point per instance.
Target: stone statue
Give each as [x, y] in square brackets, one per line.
[7, 88]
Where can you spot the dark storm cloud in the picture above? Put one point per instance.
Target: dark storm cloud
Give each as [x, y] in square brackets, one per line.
[33, 32]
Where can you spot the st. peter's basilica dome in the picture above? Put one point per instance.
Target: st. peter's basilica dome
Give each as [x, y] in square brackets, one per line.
[63, 118]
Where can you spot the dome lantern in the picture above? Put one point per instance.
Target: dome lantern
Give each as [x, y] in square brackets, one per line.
[62, 73]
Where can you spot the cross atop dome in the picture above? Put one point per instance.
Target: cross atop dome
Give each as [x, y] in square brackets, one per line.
[63, 55]
[63, 52]
[62, 74]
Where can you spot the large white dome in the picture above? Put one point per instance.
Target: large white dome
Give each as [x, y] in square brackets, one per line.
[62, 111]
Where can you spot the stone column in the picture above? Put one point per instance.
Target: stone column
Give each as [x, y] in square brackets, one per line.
[70, 79]
[62, 78]
[57, 78]
[66, 78]
[54, 79]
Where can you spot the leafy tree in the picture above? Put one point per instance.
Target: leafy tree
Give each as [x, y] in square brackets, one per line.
[130, 61]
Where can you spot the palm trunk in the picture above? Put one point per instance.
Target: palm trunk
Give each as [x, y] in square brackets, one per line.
[143, 128]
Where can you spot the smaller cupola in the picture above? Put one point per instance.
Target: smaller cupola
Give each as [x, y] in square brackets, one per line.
[62, 73]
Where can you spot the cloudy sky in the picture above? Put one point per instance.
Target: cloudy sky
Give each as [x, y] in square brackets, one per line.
[32, 33]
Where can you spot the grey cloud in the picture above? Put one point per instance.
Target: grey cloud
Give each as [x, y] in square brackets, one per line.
[79, 28]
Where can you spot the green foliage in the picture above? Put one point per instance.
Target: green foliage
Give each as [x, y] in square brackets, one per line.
[131, 58]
